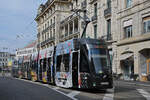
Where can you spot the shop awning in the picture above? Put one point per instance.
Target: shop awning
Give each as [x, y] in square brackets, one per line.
[125, 56]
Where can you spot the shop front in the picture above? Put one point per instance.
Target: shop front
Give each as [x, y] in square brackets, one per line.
[145, 64]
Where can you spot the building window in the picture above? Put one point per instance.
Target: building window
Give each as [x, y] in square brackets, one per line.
[48, 23]
[128, 3]
[128, 31]
[71, 27]
[54, 33]
[54, 19]
[76, 25]
[109, 29]
[95, 31]
[109, 3]
[95, 9]
[45, 37]
[146, 25]
[50, 33]
[66, 30]
[51, 21]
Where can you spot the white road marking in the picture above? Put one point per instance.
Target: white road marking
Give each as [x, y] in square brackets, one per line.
[109, 95]
[70, 95]
[73, 93]
[56, 88]
[144, 93]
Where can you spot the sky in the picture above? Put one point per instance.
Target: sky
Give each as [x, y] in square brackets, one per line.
[17, 25]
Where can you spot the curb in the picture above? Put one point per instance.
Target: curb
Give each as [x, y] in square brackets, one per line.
[137, 84]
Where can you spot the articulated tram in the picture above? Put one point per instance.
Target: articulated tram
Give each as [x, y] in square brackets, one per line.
[76, 63]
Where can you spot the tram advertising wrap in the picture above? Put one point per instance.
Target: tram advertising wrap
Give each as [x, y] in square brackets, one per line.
[76, 63]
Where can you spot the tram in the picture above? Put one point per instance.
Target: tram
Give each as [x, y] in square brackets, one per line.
[83, 63]
[76, 63]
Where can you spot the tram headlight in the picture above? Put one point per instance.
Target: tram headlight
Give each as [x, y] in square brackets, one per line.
[100, 72]
[85, 78]
[94, 84]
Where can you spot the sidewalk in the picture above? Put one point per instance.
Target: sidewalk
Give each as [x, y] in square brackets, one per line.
[138, 83]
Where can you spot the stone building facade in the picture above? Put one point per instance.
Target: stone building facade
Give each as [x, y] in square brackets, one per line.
[5, 60]
[48, 21]
[124, 24]
[133, 45]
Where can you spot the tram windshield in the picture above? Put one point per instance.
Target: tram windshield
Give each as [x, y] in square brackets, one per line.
[99, 59]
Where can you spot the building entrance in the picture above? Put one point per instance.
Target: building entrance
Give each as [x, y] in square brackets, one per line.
[128, 69]
[127, 65]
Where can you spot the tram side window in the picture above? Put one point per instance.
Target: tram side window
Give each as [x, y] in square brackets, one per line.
[41, 63]
[58, 63]
[66, 62]
[44, 65]
[63, 63]
[75, 61]
[35, 65]
[84, 67]
[49, 62]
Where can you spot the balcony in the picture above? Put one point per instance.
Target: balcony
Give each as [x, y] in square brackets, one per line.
[61, 36]
[50, 39]
[107, 37]
[94, 18]
[47, 41]
[107, 12]
[43, 43]
[92, 1]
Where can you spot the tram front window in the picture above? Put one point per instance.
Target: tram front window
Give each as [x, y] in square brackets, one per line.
[99, 59]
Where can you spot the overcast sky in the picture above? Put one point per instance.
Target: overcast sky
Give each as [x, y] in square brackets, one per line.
[17, 25]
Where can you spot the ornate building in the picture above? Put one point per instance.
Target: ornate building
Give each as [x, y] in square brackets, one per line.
[124, 24]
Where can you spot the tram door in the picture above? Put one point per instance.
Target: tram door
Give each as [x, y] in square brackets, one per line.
[41, 68]
[75, 69]
[49, 69]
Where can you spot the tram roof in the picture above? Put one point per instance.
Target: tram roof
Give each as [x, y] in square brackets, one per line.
[73, 44]
[45, 53]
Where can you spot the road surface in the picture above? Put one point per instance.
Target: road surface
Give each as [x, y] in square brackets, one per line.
[19, 89]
